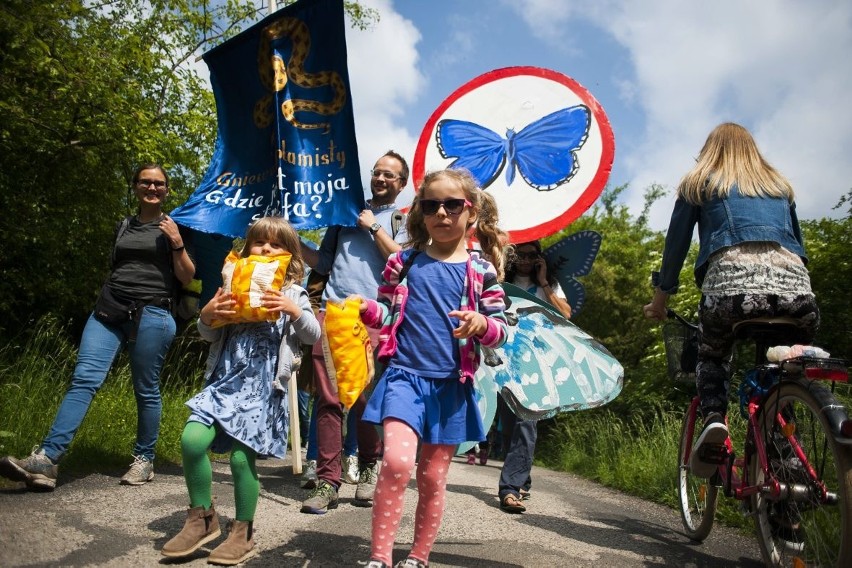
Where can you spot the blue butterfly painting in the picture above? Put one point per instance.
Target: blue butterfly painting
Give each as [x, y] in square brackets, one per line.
[543, 151]
[570, 257]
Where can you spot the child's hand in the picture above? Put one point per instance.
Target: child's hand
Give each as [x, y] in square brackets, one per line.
[221, 306]
[362, 303]
[277, 301]
[471, 324]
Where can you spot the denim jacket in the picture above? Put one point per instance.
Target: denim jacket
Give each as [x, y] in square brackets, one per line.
[725, 222]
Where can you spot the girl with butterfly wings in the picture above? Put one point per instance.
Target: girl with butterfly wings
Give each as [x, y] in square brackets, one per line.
[438, 303]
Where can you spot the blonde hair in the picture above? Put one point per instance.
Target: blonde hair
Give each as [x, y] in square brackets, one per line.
[730, 157]
[278, 229]
[491, 238]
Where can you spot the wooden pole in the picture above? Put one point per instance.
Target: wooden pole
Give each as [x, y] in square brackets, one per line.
[295, 435]
[292, 390]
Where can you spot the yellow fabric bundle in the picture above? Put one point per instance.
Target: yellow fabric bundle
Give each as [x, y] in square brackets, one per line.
[246, 279]
[347, 350]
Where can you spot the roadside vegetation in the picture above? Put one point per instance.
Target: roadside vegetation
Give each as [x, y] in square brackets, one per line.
[87, 95]
[630, 444]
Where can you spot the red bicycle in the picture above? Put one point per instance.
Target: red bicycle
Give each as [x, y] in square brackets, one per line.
[794, 475]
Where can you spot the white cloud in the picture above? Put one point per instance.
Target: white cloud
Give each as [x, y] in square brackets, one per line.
[384, 78]
[777, 67]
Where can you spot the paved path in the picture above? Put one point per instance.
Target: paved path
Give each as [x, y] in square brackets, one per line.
[94, 521]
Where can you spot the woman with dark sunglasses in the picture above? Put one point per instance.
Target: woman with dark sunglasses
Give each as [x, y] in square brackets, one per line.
[529, 271]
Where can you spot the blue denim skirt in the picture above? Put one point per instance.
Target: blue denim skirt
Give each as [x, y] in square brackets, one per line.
[440, 411]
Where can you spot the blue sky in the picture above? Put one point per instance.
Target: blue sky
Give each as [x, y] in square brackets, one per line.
[665, 71]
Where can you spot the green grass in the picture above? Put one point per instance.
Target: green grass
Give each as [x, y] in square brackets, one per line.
[637, 455]
[34, 378]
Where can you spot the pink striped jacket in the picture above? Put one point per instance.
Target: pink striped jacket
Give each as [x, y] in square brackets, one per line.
[483, 294]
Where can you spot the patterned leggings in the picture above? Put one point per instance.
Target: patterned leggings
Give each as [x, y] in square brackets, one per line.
[397, 465]
[717, 316]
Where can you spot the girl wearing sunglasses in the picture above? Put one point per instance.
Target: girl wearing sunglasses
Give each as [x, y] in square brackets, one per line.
[437, 304]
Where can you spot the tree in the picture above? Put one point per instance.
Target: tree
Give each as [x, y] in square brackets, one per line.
[88, 90]
[827, 243]
[620, 284]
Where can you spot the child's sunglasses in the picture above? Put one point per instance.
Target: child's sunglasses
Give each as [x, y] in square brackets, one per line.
[451, 206]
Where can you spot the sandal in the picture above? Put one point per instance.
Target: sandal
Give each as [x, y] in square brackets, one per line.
[511, 504]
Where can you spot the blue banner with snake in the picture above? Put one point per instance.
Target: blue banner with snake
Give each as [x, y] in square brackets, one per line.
[286, 134]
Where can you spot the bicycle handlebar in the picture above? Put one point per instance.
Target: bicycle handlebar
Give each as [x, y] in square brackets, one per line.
[671, 314]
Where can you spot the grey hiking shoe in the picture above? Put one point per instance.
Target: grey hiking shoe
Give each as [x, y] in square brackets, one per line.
[309, 476]
[366, 486]
[322, 498]
[141, 471]
[37, 471]
[350, 470]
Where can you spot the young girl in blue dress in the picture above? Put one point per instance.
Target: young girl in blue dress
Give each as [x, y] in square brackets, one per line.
[437, 304]
[243, 406]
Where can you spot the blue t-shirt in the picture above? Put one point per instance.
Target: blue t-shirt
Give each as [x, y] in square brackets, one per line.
[426, 346]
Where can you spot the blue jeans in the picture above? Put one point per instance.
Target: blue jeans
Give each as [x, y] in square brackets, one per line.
[517, 466]
[312, 452]
[304, 398]
[99, 347]
[350, 441]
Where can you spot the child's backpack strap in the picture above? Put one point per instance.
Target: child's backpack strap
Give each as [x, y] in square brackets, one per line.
[406, 264]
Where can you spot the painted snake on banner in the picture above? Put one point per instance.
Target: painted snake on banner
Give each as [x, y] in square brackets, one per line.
[274, 74]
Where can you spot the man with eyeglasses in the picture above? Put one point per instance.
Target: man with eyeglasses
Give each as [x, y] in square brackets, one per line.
[353, 258]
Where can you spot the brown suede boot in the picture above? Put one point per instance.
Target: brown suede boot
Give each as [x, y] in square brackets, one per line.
[200, 528]
[238, 547]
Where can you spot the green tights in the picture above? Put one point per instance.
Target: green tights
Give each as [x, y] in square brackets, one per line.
[198, 472]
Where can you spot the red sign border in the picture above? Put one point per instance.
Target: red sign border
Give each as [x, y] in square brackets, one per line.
[596, 185]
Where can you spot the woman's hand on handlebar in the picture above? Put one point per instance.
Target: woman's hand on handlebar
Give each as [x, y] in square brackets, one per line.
[656, 310]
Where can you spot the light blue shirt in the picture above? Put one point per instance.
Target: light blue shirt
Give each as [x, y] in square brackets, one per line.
[356, 264]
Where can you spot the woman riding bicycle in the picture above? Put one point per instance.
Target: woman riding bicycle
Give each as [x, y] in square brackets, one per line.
[751, 262]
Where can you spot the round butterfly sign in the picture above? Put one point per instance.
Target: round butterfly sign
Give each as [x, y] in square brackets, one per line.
[535, 139]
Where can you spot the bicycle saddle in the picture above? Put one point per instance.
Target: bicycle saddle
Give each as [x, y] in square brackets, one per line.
[768, 330]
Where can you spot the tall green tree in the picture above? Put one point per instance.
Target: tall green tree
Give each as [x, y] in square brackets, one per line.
[88, 90]
[828, 243]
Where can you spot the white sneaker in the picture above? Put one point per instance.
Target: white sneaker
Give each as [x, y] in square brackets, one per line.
[309, 476]
[350, 470]
[714, 434]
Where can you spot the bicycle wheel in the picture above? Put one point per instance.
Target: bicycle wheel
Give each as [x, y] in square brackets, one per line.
[697, 495]
[802, 529]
